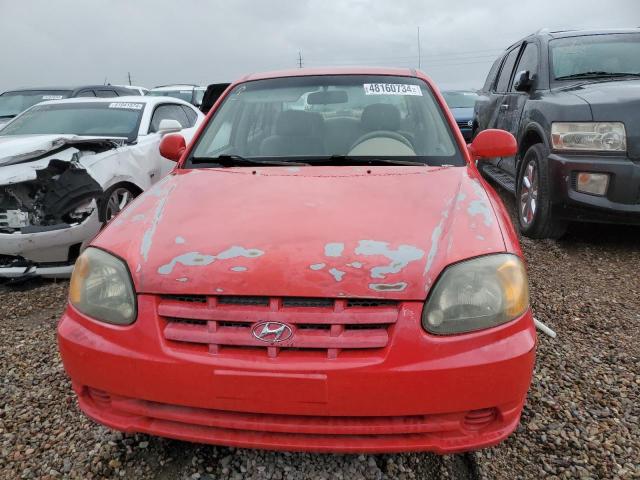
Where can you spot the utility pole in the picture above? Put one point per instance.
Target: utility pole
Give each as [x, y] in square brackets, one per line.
[419, 55]
[299, 59]
[129, 75]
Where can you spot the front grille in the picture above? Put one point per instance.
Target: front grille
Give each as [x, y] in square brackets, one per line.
[325, 326]
[463, 124]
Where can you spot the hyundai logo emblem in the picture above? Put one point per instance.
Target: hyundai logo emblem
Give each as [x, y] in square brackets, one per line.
[272, 332]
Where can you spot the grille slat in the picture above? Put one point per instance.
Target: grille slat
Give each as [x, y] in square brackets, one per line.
[333, 325]
[253, 314]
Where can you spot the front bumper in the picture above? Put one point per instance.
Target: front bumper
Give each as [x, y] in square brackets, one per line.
[621, 204]
[45, 253]
[420, 392]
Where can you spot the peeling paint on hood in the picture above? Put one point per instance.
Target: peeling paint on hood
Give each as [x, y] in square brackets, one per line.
[388, 234]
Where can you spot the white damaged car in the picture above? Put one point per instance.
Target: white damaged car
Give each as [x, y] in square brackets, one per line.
[67, 167]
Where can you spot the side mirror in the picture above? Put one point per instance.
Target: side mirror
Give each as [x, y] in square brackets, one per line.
[523, 81]
[173, 146]
[169, 125]
[493, 143]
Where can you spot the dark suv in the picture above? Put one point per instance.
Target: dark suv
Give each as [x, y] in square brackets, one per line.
[572, 100]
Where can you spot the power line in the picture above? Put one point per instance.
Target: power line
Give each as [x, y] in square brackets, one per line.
[407, 63]
[470, 55]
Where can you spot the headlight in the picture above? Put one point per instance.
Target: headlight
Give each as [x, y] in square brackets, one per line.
[101, 288]
[476, 294]
[594, 136]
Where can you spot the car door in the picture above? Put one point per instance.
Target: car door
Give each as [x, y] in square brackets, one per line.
[483, 111]
[501, 117]
[514, 101]
[157, 165]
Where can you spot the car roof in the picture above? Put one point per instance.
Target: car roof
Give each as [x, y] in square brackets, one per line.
[177, 86]
[568, 32]
[126, 99]
[66, 88]
[306, 72]
[577, 32]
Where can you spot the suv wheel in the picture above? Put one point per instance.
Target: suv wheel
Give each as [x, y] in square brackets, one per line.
[535, 215]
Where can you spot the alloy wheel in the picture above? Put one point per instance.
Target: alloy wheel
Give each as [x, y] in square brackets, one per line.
[529, 194]
[118, 199]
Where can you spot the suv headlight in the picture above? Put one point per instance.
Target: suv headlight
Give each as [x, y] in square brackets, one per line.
[479, 293]
[101, 288]
[594, 136]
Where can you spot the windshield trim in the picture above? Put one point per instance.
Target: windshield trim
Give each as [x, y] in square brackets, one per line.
[458, 155]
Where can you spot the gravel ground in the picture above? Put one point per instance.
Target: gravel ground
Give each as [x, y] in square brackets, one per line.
[581, 419]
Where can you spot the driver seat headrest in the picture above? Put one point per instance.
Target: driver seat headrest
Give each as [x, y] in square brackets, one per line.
[380, 116]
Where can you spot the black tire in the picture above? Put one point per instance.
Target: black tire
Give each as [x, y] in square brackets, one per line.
[109, 207]
[533, 198]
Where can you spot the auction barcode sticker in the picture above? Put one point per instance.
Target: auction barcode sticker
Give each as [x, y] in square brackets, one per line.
[128, 106]
[51, 97]
[391, 89]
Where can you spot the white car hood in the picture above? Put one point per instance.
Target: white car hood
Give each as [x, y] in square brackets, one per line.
[22, 155]
[22, 147]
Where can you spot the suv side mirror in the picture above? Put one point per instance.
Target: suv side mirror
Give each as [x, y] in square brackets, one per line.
[523, 81]
[169, 125]
[493, 143]
[173, 146]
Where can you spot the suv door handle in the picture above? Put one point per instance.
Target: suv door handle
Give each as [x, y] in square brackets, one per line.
[504, 106]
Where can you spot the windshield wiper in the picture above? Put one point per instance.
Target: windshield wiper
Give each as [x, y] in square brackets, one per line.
[369, 160]
[229, 160]
[598, 74]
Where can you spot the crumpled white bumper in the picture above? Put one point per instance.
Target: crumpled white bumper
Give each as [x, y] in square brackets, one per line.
[44, 248]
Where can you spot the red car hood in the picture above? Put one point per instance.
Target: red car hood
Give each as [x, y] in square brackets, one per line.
[314, 231]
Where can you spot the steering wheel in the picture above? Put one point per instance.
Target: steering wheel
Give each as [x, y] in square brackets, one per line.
[383, 134]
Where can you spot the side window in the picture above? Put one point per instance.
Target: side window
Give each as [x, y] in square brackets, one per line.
[191, 116]
[168, 111]
[528, 61]
[106, 93]
[507, 69]
[491, 76]
[86, 93]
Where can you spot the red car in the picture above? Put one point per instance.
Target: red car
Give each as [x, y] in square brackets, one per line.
[324, 270]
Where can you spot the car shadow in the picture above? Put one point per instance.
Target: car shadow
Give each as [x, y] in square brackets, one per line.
[583, 234]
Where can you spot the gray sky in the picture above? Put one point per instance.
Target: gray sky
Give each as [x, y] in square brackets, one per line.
[65, 42]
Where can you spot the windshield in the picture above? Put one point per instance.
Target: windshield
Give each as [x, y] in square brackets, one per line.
[12, 103]
[181, 94]
[460, 99]
[595, 54]
[103, 119]
[301, 118]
